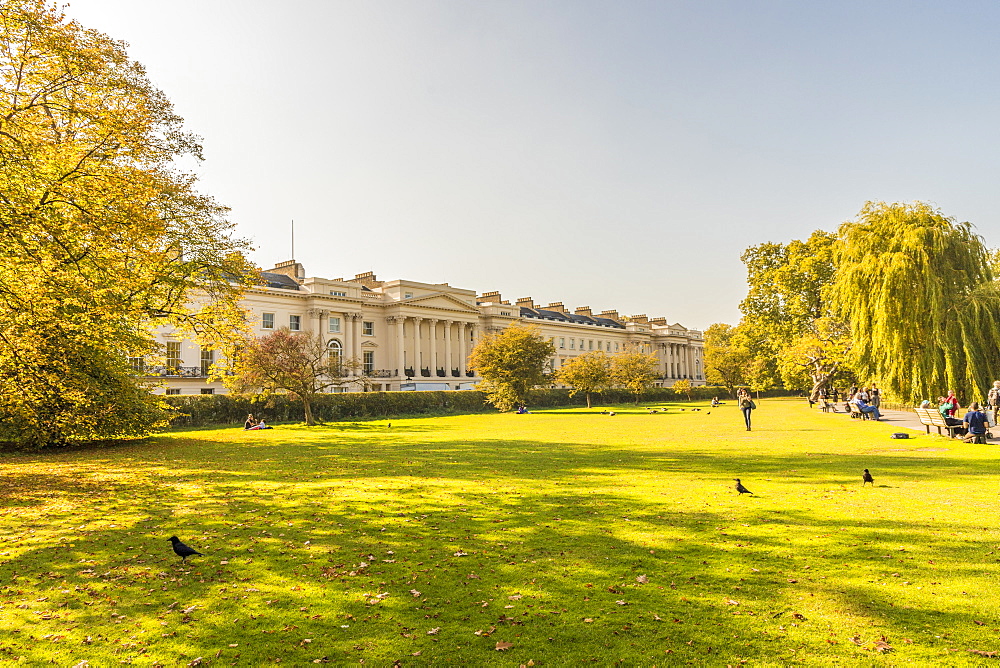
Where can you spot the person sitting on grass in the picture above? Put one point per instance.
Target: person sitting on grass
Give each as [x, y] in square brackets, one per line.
[260, 425]
[976, 423]
[250, 423]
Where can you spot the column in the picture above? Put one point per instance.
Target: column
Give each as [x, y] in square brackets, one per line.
[432, 345]
[400, 346]
[348, 333]
[416, 346]
[463, 353]
[447, 347]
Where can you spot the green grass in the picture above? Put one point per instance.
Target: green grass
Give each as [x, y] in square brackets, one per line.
[431, 542]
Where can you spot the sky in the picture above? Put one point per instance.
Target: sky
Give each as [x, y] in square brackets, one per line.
[618, 154]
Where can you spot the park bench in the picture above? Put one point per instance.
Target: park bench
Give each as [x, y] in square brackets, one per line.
[857, 413]
[828, 406]
[930, 417]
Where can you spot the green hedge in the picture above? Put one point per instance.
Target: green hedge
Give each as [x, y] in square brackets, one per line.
[203, 410]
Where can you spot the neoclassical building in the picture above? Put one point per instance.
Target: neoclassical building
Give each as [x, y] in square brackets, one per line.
[401, 331]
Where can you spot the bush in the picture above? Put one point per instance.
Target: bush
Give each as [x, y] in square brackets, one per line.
[213, 409]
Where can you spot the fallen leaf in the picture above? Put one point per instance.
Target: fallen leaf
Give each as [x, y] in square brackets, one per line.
[434, 631]
[856, 640]
[515, 597]
[882, 646]
[976, 621]
[416, 594]
[730, 601]
[502, 645]
[642, 579]
[621, 602]
[798, 616]
[978, 652]
[587, 620]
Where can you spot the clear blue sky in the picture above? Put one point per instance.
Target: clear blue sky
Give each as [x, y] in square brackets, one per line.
[611, 154]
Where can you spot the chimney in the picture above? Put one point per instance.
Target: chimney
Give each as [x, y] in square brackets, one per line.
[658, 321]
[639, 318]
[490, 297]
[610, 315]
[583, 310]
[556, 306]
[289, 268]
[367, 279]
[526, 302]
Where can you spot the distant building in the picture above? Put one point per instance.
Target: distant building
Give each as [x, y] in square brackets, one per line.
[401, 331]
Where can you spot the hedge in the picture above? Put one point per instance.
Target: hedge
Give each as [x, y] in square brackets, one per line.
[215, 409]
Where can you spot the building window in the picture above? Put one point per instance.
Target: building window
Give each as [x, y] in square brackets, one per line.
[368, 361]
[590, 344]
[267, 321]
[335, 351]
[208, 390]
[572, 344]
[338, 293]
[295, 323]
[171, 391]
[562, 342]
[368, 328]
[138, 364]
[173, 354]
[616, 346]
[407, 295]
[333, 325]
[207, 360]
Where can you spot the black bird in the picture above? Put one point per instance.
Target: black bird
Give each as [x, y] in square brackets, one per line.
[183, 551]
[741, 489]
[867, 477]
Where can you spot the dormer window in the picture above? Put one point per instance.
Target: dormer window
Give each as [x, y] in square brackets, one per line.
[407, 295]
[337, 293]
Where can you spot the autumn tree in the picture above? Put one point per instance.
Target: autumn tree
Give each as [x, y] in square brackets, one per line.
[787, 314]
[511, 362]
[634, 370]
[285, 361]
[920, 295]
[726, 362]
[587, 373]
[683, 386]
[103, 237]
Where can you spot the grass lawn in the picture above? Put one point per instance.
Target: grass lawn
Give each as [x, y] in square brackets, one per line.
[562, 537]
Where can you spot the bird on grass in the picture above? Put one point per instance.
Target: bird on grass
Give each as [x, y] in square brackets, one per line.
[183, 551]
[741, 489]
[867, 477]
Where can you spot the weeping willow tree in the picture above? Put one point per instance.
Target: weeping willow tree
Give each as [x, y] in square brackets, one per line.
[918, 292]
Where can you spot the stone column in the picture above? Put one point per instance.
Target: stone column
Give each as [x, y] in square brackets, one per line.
[432, 345]
[463, 353]
[401, 346]
[416, 346]
[447, 347]
[395, 327]
[348, 333]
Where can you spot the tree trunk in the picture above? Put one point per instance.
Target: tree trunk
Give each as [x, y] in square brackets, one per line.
[588, 399]
[310, 422]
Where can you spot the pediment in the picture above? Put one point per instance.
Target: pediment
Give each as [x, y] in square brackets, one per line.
[441, 300]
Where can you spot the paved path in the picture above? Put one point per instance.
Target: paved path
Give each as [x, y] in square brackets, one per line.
[908, 420]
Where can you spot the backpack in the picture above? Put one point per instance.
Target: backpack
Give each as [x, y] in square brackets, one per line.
[900, 435]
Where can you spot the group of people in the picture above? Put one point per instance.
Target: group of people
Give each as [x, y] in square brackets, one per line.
[975, 423]
[252, 424]
[867, 399]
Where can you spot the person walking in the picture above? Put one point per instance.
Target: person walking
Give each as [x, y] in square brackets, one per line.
[746, 405]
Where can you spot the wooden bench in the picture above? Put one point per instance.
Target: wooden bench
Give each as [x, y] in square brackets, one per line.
[858, 413]
[931, 417]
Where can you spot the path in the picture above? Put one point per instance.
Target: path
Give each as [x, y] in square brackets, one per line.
[908, 420]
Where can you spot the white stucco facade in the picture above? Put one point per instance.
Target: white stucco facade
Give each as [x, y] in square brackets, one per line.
[402, 330]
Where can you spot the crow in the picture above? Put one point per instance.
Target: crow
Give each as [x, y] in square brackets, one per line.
[867, 477]
[182, 550]
[741, 489]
